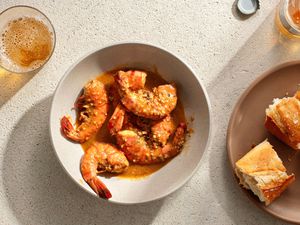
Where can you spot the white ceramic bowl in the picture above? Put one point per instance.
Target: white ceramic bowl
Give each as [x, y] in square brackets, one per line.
[192, 94]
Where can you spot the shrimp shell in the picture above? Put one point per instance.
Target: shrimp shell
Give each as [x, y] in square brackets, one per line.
[99, 158]
[138, 150]
[155, 104]
[92, 108]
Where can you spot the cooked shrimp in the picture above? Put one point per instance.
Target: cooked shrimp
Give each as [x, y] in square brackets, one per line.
[138, 150]
[158, 131]
[120, 117]
[161, 130]
[132, 79]
[117, 120]
[92, 108]
[99, 158]
[154, 104]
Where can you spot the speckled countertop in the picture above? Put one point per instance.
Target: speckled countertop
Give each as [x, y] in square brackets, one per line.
[226, 51]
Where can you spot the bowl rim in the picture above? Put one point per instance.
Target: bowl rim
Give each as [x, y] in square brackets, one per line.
[237, 105]
[111, 45]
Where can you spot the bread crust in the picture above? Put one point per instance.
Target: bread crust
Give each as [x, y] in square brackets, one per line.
[262, 171]
[283, 120]
[272, 193]
[274, 130]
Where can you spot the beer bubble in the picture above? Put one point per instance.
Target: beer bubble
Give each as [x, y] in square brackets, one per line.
[26, 42]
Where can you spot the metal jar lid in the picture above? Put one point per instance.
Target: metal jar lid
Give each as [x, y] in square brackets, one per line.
[248, 7]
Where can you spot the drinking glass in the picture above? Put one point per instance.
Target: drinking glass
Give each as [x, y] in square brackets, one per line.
[288, 18]
[27, 39]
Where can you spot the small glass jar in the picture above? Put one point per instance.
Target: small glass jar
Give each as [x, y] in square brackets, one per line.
[288, 18]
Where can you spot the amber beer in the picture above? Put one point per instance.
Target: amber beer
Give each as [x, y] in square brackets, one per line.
[26, 43]
[288, 18]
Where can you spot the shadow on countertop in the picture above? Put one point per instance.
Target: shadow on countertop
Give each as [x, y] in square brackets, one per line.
[249, 62]
[40, 192]
[11, 83]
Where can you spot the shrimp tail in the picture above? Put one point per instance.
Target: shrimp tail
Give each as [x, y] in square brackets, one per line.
[99, 188]
[68, 129]
[116, 121]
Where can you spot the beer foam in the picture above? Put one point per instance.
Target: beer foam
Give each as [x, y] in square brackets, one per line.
[26, 44]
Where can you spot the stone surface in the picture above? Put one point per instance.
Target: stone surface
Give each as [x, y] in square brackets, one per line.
[226, 51]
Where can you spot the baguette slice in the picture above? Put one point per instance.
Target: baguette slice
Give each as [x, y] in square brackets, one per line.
[262, 172]
[283, 120]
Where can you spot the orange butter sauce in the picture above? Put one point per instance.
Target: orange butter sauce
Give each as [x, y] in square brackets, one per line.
[134, 171]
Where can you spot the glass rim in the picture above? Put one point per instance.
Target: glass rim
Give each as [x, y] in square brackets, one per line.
[53, 32]
[286, 20]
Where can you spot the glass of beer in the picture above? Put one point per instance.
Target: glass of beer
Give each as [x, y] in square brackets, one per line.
[27, 39]
[288, 18]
